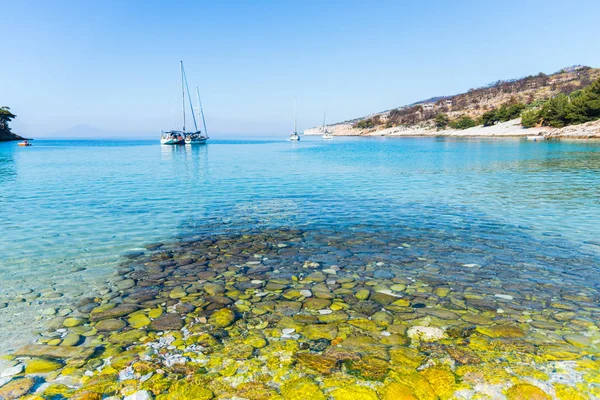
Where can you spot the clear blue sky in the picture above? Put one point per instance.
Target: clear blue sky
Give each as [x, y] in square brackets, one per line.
[113, 65]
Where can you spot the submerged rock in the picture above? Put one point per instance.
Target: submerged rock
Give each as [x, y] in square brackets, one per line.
[425, 333]
[16, 388]
[525, 391]
[222, 318]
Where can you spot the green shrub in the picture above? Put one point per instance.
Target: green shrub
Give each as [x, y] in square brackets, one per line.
[463, 122]
[530, 118]
[441, 121]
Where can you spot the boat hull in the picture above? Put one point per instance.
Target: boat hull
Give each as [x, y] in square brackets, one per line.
[171, 141]
[195, 141]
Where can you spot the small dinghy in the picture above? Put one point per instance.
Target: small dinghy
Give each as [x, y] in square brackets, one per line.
[24, 143]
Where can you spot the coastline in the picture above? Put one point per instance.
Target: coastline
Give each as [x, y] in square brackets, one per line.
[510, 129]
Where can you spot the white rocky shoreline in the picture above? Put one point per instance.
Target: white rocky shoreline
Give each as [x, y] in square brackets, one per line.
[513, 128]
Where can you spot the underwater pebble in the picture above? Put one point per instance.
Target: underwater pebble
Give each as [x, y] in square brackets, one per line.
[49, 311]
[306, 293]
[141, 395]
[504, 296]
[325, 312]
[5, 380]
[9, 372]
[425, 333]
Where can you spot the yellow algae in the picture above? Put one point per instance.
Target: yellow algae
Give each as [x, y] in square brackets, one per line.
[40, 366]
[565, 392]
[397, 391]
[416, 382]
[354, 392]
[525, 391]
[527, 370]
[501, 331]
[406, 356]
[301, 389]
[188, 390]
[441, 379]
[138, 320]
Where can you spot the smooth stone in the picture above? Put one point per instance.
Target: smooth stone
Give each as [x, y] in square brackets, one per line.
[425, 333]
[109, 311]
[167, 322]
[138, 320]
[222, 318]
[498, 331]
[11, 371]
[504, 296]
[128, 337]
[578, 340]
[36, 350]
[320, 331]
[213, 289]
[71, 322]
[72, 339]
[140, 395]
[383, 274]
[525, 391]
[314, 303]
[362, 294]
[110, 325]
[40, 366]
[16, 388]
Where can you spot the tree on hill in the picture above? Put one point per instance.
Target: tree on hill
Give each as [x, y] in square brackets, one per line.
[5, 117]
[463, 122]
[441, 121]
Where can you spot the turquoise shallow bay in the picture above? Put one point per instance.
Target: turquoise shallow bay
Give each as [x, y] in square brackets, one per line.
[480, 231]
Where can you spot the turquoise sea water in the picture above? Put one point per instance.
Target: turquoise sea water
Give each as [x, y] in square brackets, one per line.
[71, 209]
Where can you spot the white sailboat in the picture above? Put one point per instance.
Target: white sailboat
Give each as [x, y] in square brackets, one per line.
[294, 137]
[182, 137]
[326, 134]
[198, 137]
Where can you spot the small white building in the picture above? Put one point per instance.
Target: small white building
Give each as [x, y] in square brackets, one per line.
[428, 106]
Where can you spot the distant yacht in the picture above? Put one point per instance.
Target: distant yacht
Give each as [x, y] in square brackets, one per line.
[294, 136]
[326, 134]
[182, 137]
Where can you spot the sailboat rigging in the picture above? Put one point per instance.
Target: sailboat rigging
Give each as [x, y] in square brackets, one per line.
[326, 133]
[294, 136]
[183, 136]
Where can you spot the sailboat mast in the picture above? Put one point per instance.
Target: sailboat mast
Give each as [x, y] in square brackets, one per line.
[190, 99]
[182, 95]
[295, 129]
[324, 113]
[201, 110]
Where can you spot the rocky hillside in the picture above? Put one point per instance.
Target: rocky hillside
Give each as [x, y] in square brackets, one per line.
[466, 110]
[7, 135]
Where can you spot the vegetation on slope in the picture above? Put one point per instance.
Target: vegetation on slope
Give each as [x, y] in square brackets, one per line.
[561, 110]
[539, 99]
[5, 117]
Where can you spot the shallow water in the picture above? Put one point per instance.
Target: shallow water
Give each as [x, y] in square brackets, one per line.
[477, 218]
